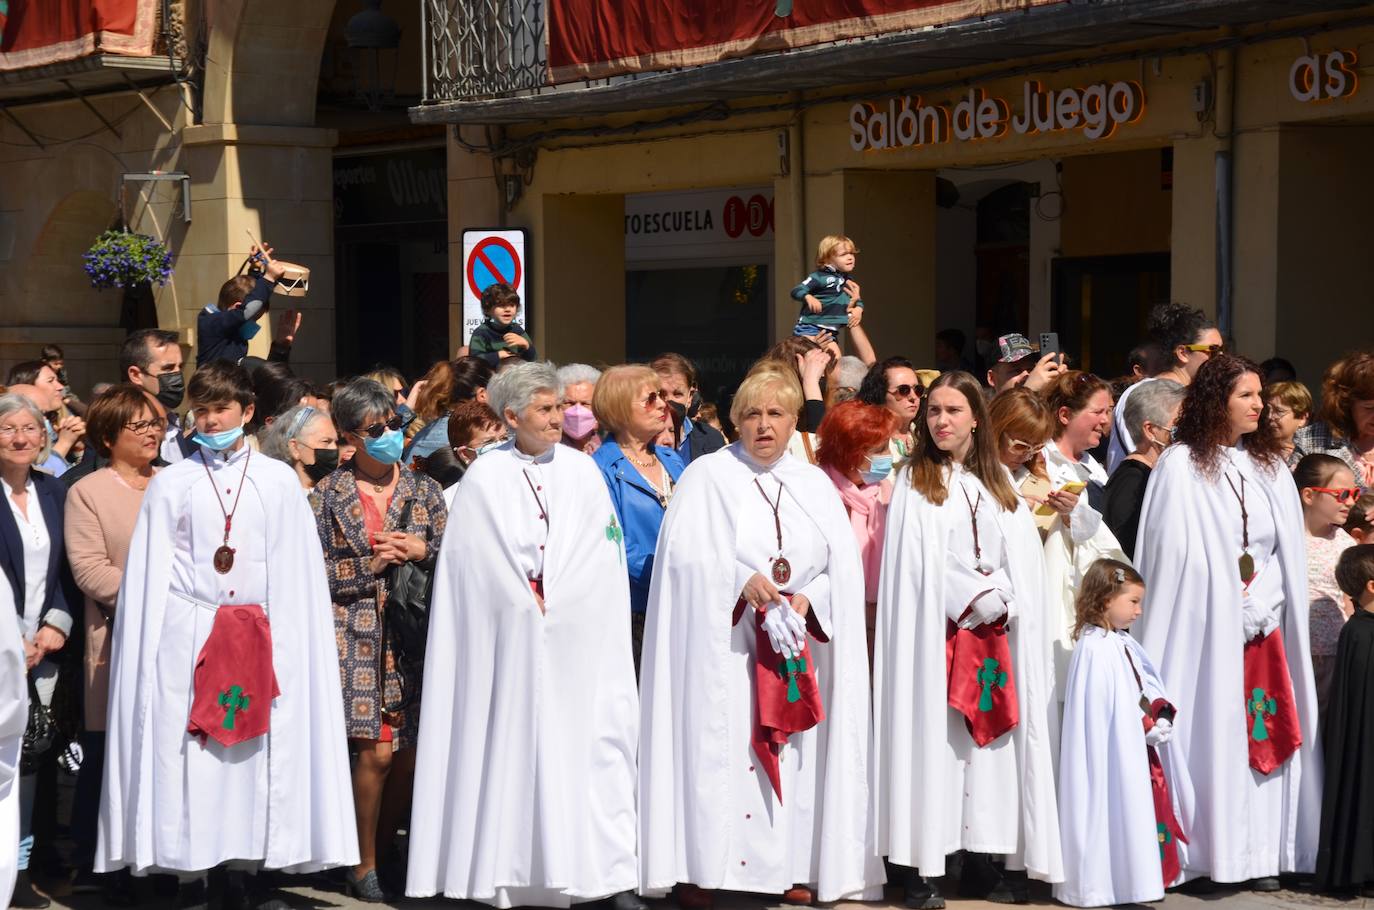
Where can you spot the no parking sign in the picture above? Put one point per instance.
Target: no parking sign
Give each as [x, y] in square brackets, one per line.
[491, 255]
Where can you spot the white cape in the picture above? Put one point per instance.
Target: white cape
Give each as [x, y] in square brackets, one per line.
[1106, 801]
[525, 774]
[691, 695]
[14, 717]
[910, 710]
[1189, 532]
[284, 800]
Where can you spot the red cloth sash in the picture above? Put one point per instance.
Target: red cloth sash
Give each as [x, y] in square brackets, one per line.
[786, 700]
[981, 684]
[1167, 828]
[234, 683]
[1271, 712]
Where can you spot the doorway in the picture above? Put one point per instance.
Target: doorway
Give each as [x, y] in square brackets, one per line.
[1102, 305]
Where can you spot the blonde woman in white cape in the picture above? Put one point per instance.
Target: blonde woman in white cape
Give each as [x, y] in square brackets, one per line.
[961, 548]
[14, 717]
[709, 815]
[1221, 505]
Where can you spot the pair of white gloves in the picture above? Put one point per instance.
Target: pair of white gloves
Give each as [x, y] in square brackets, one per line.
[1160, 733]
[989, 607]
[785, 627]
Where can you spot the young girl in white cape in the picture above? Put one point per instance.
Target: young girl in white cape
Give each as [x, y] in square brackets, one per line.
[1117, 820]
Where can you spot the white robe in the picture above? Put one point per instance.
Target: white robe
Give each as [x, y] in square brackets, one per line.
[1070, 550]
[525, 774]
[14, 717]
[1240, 824]
[283, 800]
[1106, 801]
[708, 815]
[923, 752]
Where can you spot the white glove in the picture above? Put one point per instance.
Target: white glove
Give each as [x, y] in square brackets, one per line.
[1256, 621]
[1160, 733]
[989, 607]
[786, 630]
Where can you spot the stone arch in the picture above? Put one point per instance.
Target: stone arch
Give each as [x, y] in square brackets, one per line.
[264, 49]
[55, 289]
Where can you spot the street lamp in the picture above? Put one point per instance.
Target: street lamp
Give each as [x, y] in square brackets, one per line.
[372, 38]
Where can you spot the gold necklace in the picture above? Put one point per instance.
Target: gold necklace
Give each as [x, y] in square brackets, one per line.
[377, 487]
[629, 453]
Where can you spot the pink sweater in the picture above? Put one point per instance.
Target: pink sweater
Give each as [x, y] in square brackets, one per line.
[101, 512]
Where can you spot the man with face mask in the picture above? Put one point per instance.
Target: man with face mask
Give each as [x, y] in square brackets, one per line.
[151, 359]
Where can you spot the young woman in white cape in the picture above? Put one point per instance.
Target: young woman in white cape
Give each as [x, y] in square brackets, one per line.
[937, 792]
[1220, 502]
[709, 817]
[14, 717]
[525, 774]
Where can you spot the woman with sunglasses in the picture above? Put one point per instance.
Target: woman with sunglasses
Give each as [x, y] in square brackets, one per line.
[371, 516]
[1221, 545]
[1327, 487]
[893, 384]
[961, 624]
[526, 767]
[1150, 417]
[1185, 337]
[123, 425]
[640, 473]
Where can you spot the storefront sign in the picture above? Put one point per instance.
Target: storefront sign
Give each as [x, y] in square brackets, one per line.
[391, 188]
[907, 121]
[699, 224]
[1323, 77]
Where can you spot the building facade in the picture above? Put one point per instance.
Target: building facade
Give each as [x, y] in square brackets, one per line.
[1036, 167]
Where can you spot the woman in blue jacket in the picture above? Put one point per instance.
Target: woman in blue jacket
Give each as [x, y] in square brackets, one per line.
[640, 474]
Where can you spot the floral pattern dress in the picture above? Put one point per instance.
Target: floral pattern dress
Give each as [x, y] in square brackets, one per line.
[367, 670]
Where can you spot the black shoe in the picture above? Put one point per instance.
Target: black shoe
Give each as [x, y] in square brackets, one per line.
[982, 879]
[920, 893]
[368, 888]
[625, 900]
[87, 882]
[24, 895]
[1265, 884]
[118, 889]
[193, 895]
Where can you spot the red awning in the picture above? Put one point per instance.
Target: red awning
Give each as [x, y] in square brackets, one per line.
[41, 32]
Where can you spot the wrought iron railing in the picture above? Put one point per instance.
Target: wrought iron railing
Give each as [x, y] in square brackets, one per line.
[484, 48]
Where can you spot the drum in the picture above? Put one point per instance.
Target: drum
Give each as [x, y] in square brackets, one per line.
[295, 279]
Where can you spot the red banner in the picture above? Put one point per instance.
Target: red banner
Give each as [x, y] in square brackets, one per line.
[595, 38]
[39, 32]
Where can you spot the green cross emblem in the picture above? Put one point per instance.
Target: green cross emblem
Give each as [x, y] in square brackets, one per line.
[789, 669]
[615, 535]
[232, 702]
[1258, 706]
[988, 677]
[1165, 838]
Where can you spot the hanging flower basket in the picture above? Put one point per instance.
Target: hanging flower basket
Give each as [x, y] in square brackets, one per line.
[119, 259]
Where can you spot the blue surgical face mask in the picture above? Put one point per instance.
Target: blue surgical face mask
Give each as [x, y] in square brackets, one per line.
[489, 447]
[218, 442]
[388, 448]
[248, 330]
[879, 467]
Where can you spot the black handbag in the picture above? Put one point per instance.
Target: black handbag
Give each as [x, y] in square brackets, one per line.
[406, 619]
[39, 735]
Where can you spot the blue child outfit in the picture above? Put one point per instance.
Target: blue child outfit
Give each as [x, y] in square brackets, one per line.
[826, 284]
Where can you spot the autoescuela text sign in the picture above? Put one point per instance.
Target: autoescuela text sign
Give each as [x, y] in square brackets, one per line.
[492, 255]
[699, 224]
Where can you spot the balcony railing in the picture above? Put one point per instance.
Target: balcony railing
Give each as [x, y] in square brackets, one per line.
[484, 48]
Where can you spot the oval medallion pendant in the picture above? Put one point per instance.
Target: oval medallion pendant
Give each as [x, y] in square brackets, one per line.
[782, 571]
[224, 559]
[1247, 567]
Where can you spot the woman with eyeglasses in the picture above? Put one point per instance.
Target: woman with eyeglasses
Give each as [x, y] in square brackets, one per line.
[1080, 404]
[372, 516]
[1226, 611]
[1187, 338]
[961, 681]
[1150, 416]
[893, 384]
[125, 428]
[640, 473]
[34, 561]
[526, 767]
[305, 438]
